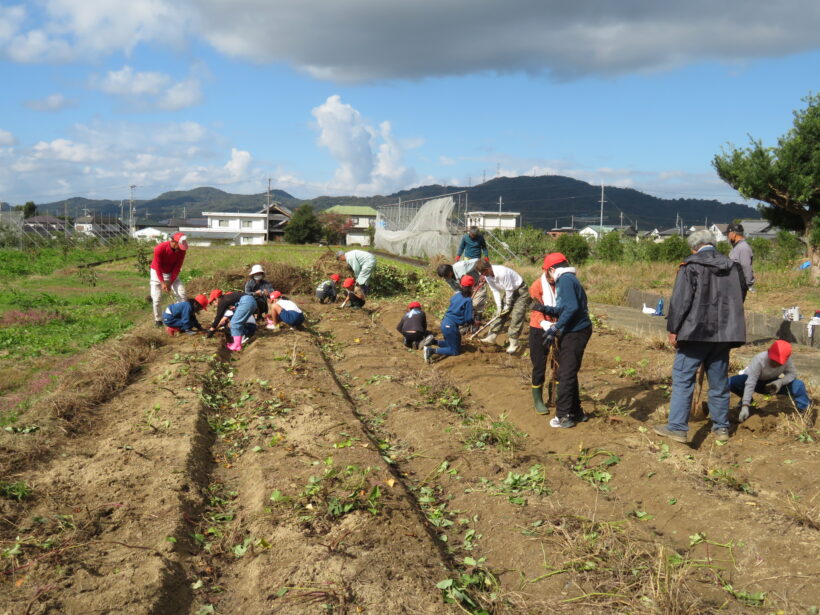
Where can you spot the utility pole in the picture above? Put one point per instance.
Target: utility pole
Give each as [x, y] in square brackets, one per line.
[131, 208]
[65, 218]
[268, 194]
[622, 218]
[602, 204]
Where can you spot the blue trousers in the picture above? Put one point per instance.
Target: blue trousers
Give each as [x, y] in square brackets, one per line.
[715, 358]
[451, 346]
[795, 388]
[244, 312]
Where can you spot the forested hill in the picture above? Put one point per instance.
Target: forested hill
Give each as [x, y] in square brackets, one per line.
[545, 200]
[542, 201]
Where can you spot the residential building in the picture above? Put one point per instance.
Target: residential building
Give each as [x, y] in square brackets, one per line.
[155, 234]
[101, 226]
[759, 229]
[494, 220]
[240, 228]
[47, 227]
[556, 232]
[360, 219]
[594, 232]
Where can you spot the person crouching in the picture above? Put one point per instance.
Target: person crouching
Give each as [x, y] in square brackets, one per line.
[771, 372]
[243, 321]
[459, 312]
[326, 291]
[353, 294]
[182, 316]
[413, 326]
[284, 310]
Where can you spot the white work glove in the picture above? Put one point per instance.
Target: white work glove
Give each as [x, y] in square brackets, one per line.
[773, 388]
[545, 325]
[743, 414]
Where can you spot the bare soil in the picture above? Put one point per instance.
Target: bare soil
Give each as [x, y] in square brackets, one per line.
[332, 470]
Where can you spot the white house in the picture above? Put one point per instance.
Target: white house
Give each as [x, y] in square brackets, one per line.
[154, 234]
[594, 232]
[98, 225]
[493, 220]
[236, 228]
[360, 219]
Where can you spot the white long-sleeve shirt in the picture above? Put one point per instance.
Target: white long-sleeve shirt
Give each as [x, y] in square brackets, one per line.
[503, 279]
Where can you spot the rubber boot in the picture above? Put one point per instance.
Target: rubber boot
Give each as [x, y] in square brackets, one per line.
[538, 400]
[237, 344]
[172, 331]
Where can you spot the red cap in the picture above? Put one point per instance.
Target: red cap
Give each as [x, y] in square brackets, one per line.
[414, 304]
[181, 239]
[335, 277]
[202, 300]
[348, 283]
[274, 295]
[215, 294]
[467, 280]
[780, 351]
[552, 259]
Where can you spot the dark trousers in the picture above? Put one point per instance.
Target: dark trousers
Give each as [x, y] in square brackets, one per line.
[414, 338]
[570, 355]
[538, 356]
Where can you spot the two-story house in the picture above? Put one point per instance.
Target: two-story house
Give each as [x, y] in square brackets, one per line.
[361, 217]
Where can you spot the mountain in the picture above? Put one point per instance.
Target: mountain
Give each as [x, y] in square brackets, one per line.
[545, 200]
[175, 204]
[542, 201]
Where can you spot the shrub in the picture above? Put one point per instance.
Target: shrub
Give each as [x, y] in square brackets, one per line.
[574, 247]
[609, 247]
[674, 249]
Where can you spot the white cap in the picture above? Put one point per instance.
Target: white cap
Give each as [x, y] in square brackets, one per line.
[256, 269]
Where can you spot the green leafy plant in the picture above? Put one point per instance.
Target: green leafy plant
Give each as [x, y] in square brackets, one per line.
[15, 491]
[590, 468]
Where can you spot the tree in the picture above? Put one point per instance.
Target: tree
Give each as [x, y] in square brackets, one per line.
[527, 242]
[29, 209]
[304, 226]
[609, 247]
[574, 247]
[786, 178]
[334, 226]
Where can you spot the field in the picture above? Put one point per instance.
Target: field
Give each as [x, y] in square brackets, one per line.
[331, 470]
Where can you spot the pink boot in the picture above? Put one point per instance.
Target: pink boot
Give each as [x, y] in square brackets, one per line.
[237, 344]
[172, 331]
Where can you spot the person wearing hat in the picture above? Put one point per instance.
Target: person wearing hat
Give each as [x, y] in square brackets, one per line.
[182, 316]
[571, 330]
[353, 294]
[284, 310]
[705, 321]
[459, 313]
[413, 326]
[770, 372]
[741, 252]
[453, 273]
[542, 292]
[226, 302]
[362, 264]
[326, 291]
[512, 307]
[257, 284]
[164, 275]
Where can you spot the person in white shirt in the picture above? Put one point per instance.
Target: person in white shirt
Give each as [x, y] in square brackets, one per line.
[453, 273]
[284, 310]
[515, 302]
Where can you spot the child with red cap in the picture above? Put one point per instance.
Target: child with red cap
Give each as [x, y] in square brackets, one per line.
[326, 291]
[182, 316]
[413, 326]
[459, 312]
[284, 310]
[770, 372]
[354, 294]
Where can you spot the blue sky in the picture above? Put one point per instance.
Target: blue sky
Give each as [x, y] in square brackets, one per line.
[369, 97]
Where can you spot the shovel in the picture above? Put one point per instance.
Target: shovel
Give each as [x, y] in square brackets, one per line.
[487, 324]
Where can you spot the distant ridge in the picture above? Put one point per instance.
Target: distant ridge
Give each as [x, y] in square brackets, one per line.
[541, 200]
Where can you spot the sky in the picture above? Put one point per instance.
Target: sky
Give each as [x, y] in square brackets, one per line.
[367, 97]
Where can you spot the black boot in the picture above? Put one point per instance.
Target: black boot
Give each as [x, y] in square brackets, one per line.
[538, 400]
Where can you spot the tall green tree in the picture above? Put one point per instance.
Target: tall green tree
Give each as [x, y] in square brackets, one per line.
[786, 178]
[304, 226]
[29, 209]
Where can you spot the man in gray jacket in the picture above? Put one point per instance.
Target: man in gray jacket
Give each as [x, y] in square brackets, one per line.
[705, 321]
[741, 252]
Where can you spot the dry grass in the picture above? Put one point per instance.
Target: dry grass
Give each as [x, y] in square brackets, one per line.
[107, 370]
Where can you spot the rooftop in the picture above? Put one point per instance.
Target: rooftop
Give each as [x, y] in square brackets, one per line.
[351, 210]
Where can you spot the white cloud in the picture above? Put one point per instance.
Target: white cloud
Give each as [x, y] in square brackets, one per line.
[7, 139]
[363, 40]
[446, 161]
[52, 102]
[126, 82]
[369, 159]
[147, 90]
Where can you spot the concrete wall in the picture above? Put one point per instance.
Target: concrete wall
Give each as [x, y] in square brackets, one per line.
[757, 325]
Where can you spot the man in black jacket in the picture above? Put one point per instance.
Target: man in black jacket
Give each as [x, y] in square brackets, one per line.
[705, 321]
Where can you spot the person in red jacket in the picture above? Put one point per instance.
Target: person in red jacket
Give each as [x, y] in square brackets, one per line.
[168, 258]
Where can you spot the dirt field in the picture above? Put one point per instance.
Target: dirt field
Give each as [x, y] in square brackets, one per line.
[331, 470]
